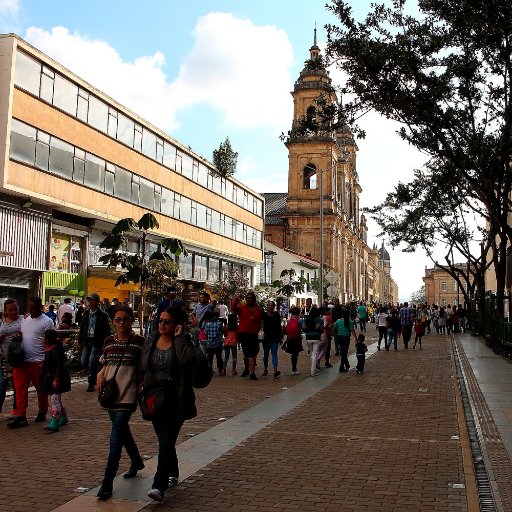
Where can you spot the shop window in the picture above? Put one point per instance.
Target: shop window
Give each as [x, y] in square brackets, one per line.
[213, 269]
[185, 263]
[200, 267]
[75, 260]
[59, 252]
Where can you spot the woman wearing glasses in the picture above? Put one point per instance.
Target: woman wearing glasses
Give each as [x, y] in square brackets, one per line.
[168, 358]
[121, 359]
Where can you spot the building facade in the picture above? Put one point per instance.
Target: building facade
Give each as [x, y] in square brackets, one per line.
[323, 177]
[73, 162]
[441, 288]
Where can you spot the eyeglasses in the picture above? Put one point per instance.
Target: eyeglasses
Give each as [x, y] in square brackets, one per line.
[122, 319]
[166, 322]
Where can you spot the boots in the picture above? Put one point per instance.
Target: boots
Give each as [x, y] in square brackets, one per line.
[63, 420]
[53, 426]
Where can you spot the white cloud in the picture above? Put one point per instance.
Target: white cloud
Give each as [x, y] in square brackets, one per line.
[9, 10]
[239, 69]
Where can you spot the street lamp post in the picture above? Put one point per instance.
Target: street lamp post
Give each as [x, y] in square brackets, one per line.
[321, 277]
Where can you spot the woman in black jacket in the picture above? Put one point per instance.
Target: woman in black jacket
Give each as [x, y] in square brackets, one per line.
[167, 359]
[273, 336]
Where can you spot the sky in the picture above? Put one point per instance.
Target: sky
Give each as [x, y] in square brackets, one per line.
[211, 69]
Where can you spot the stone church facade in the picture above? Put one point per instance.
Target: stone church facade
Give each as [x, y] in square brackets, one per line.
[323, 175]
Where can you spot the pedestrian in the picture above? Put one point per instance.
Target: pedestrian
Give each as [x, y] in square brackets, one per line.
[344, 327]
[200, 309]
[80, 312]
[66, 321]
[51, 313]
[313, 327]
[326, 338]
[171, 300]
[250, 317]
[213, 329]
[169, 352]
[441, 321]
[406, 316]
[382, 325]
[10, 326]
[66, 307]
[273, 336]
[55, 379]
[455, 320]
[223, 312]
[120, 361]
[362, 313]
[230, 343]
[361, 350]
[33, 328]
[393, 326]
[94, 329]
[336, 314]
[294, 338]
[419, 329]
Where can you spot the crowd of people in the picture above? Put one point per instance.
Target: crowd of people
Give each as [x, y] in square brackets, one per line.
[163, 359]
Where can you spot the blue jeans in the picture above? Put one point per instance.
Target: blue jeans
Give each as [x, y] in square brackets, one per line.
[392, 336]
[362, 324]
[120, 436]
[167, 431]
[344, 346]
[267, 348]
[90, 358]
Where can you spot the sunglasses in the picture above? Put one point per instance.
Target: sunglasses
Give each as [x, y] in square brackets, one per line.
[166, 322]
[122, 319]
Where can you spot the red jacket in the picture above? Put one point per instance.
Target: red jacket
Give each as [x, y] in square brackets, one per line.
[249, 321]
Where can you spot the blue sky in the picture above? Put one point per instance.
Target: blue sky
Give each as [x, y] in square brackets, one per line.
[208, 69]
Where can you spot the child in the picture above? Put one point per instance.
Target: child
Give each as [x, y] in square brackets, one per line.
[361, 350]
[55, 378]
[213, 329]
[230, 343]
[419, 328]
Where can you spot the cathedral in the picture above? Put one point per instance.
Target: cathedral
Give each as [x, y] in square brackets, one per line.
[319, 216]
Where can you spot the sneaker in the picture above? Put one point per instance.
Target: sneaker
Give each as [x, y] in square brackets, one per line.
[328, 365]
[41, 416]
[245, 373]
[18, 422]
[277, 373]
[295, 372]
[314, 374]
[155, 495]
[173, 481]
[253, 376]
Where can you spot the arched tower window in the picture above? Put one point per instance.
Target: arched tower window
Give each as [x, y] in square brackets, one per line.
[311, 113]
[309, 177]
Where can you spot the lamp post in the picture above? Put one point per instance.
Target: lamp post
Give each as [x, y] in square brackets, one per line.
[321, 277]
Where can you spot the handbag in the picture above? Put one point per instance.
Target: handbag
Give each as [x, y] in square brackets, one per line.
[152, 399]
[15, 352]
[110, 392]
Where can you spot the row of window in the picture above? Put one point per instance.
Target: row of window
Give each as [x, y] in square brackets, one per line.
[46, 152]
[53, 88]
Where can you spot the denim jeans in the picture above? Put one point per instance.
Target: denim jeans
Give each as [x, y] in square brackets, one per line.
[362, 324]
[167, 431]
[120, 436]
[90, 358]
[392, 336]
[233, 351]
[344, 346]
[270, 348]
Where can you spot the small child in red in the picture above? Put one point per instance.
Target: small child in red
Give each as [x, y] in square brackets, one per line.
[420, 331]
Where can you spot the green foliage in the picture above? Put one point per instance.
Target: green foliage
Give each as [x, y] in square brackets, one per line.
[225, 159]
[289, 284]
[444, 76]
[418, 297]
[226, 289]
[163, 273]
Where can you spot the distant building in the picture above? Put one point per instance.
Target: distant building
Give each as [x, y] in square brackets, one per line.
[441, 288]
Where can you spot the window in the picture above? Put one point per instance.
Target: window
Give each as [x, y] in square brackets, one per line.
[159, 151]
[201, 216]
[112, 123]
[309, 177]
[61, 158]
[167, 205]
[185, 263]
[147, 194]
[27, 74]
[454, 286]
[215, 221]
[177, 206]
[444, 286]
[185, 209]
[137, 142]
[98, 114]
[193, 212]
[213, 269]
[125, 130]
[79, 166]
[135, 189]
[222, 230]
[200, 267]
[109, 178]
[47, 83]
[75, 257]
[82, 111]
[208, 218]
[65, 95]
[202, 178]
[158, 197]
[186, 166]
[123, 184]
[178, 161]
[149, 144]
[169, 155]
[42, 150]
[94, 171]
[23, 142]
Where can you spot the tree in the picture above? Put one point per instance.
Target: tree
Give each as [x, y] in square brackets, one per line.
[236, 283]
[225, 159]
[137, 266]
[163, 273]
[418, 297]
[289, 284]
[445, 76]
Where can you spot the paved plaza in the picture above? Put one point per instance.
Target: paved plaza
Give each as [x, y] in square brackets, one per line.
[392, 439]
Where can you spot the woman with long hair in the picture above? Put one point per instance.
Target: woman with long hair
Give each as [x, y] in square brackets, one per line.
[344, 327]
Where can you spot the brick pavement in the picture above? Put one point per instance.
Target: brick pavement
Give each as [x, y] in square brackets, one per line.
[379, 441]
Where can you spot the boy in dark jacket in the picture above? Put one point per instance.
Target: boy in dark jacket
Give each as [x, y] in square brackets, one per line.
[361, 350]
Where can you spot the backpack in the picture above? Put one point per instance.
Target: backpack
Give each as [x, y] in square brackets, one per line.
[293, 328]
[202, 372]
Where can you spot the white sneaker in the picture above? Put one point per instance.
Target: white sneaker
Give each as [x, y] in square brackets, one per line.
[173, 482]
[155, 495]
[296, 372]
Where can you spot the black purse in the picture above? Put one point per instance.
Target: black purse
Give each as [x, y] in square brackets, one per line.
[15, 352]
[153, 399]
[110, 392]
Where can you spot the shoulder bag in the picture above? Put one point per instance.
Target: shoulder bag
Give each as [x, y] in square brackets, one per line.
[110, 392]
